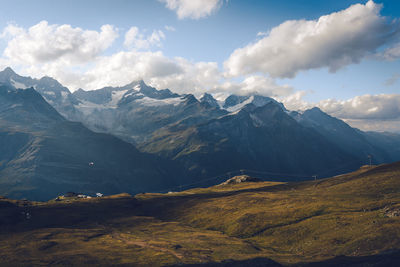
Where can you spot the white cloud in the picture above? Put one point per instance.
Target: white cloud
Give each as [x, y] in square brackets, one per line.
[4, 63]
[332, 41]
[365, 112]
[255, 85]
[295, 101]
[169, 28]
[44, 43]
[365, 107]
[262, 33]
[194, 9]
[124, 67]
[375, 125]
[195, 78]
[391, 53]
[11, 30]
[135, 39]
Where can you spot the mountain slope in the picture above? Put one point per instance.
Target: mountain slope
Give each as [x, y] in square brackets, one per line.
[350, 220]
[347, 138]
[208, 138]
[257, 138]
[46, 155]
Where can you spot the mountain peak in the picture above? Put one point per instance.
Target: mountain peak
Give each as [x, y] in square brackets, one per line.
[48, 79]
[7, 73]
[189, 98]
[210, 100]
[9, 70]
[233, 100]
[142, 83]
[315, 112]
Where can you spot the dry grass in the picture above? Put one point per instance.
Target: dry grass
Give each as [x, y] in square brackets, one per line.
[287, 222]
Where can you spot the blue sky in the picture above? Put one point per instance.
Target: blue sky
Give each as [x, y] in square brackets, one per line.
[192, 54]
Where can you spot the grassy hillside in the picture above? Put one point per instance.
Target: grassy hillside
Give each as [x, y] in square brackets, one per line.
[351, 218]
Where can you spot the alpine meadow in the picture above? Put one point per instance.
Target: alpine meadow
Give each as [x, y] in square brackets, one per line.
[200, 133]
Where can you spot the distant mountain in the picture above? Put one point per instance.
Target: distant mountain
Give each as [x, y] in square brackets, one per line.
[43, 155]
[133, 112]
[206, 137]
[234, 102]
[352, 140]
[50, 89]
[209, 100]
[261, 138]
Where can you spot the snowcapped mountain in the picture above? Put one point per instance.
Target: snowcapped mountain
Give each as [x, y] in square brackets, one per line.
[207, 137]
[134, 111]
[51, 90]
[43, 155]
[234, 103]
[263, 138]
[208, 99]
[9, 77]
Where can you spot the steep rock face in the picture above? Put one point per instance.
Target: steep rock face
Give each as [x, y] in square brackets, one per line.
[256, 138]
[43, 155]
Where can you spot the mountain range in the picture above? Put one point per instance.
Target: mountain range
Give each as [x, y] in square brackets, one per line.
[140, 139]
[43, 155]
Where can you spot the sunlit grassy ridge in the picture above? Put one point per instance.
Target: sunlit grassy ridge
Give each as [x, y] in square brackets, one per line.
[290, 223]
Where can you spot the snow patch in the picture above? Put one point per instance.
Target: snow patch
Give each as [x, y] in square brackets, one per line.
[49, 93]
[151, 102]
[239, 106]
[116, 96]
[133, 93]
[18, 85]
[87, 107]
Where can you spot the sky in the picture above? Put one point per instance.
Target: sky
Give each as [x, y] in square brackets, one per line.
[342, 56]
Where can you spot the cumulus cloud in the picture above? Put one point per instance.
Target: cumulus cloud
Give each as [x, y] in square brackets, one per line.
[4, 63]
[195, 78]
[295, 101]
[370, 107]
[44, 43]
[194, 9]
[124, 67]
[332, 41]
[11, 30]
[135, 39]
[256, 84]
[375, 125]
